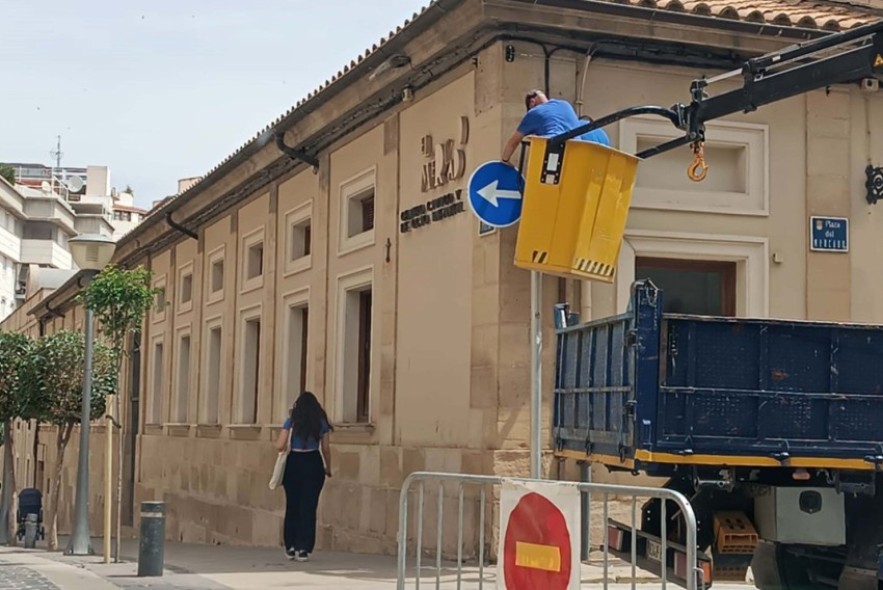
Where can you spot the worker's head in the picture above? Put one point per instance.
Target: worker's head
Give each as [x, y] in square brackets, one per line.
[533, 98]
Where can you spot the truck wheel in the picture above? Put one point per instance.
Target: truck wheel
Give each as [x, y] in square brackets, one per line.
[776, 568]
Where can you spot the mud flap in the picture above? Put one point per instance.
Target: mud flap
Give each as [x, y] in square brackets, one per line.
[854, 578]
[765, 567]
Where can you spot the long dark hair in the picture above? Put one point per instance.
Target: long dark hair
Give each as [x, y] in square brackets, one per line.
[307, 416]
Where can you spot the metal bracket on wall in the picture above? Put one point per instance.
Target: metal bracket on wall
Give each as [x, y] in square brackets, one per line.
[874, 184]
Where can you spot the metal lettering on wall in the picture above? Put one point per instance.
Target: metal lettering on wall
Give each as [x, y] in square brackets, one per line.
[446, 161]
[436, 209]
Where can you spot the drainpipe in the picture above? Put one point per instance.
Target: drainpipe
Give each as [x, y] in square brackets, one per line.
[180, 228]
[53, 311]
[582, 85]
[295, 154]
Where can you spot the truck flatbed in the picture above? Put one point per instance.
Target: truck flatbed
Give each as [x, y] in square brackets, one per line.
[645, 390]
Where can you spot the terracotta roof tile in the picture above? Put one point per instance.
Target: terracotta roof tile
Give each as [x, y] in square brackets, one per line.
[807, 14]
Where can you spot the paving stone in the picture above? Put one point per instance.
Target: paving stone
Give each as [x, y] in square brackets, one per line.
[22, 578]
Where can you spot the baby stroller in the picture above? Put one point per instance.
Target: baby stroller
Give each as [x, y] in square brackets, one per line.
[30, 501]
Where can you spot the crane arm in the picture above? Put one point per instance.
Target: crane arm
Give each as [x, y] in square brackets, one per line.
[851, 56]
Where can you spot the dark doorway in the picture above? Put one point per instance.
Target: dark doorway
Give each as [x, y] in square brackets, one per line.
[702, 287]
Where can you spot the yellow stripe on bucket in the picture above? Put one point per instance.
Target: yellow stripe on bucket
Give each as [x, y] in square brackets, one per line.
[538, 557]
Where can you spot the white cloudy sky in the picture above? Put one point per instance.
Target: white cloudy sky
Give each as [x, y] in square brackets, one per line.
[164, 89]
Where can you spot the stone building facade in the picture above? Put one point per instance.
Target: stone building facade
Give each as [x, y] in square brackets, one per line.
[350, 265]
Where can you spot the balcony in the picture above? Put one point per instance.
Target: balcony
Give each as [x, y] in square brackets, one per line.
[92, 205]
[10, 244]
[45, 252]
[93, 224]
[50, 209]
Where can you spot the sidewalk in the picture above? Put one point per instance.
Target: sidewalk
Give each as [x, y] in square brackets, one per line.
[209, 567]
[31, 569]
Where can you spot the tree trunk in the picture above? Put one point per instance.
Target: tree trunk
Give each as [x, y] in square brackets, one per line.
[116, 551]
[64, 435]
[13, 504]
[7, 513]
[118, 420]
[36, 450]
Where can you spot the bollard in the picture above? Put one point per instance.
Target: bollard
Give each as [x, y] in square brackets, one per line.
[152, 541]
[585, 476]
[30, 531]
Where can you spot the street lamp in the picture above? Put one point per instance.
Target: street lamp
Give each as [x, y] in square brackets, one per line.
[91, 253]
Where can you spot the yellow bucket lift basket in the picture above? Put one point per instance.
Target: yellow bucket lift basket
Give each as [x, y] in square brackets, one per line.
[574, 209]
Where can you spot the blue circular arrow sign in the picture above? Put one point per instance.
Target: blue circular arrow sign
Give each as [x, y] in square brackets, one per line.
[495, 193]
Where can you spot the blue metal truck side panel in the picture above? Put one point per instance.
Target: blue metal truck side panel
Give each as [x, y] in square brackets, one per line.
[594, 385]
[718, 386]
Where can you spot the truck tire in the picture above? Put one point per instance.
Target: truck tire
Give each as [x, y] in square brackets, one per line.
[776, 568]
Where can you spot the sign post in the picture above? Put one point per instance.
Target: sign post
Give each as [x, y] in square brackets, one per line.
[495, 197]
[536, 382]
[539, 536]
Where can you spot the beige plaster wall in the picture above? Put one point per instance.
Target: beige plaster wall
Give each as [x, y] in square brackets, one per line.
[435, 284]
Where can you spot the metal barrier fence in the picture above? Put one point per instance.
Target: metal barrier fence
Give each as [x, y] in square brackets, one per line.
[456, 576]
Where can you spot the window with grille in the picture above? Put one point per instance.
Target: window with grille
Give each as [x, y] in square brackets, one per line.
[360, 215]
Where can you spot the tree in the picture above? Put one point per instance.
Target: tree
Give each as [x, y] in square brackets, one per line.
[7, 172]
[14, 349]
[129, 190]
[53, 381]
[119, 299]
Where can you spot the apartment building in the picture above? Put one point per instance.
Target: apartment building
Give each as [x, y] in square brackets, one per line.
[88, 190]
[35, 225]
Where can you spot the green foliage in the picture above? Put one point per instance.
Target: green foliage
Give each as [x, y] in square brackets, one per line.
[53, 378]
[14, 349]
[120, 299]
[7, 172]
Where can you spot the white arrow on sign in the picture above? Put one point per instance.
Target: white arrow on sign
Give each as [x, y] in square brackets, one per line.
[491, 194]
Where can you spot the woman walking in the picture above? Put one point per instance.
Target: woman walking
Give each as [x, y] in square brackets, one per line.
[306, 429]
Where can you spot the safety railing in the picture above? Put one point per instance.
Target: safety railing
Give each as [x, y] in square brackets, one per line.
[466, 565]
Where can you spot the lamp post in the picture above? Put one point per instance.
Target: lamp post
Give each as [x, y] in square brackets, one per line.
[91, 252]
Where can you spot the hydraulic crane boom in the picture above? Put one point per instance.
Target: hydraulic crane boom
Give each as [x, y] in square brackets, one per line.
[858, 55]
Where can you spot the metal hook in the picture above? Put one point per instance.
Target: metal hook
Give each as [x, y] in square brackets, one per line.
[698, 170]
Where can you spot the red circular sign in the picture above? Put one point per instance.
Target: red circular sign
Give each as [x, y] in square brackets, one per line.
[536, 550]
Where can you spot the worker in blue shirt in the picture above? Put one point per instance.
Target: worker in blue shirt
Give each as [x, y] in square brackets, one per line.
[547, 117]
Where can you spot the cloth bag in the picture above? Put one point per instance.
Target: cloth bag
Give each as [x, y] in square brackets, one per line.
[279, 468]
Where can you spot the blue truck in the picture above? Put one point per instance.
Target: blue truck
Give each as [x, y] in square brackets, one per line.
[772, 428]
